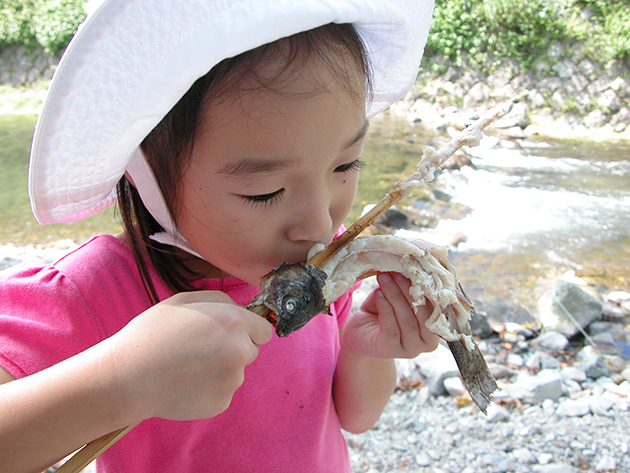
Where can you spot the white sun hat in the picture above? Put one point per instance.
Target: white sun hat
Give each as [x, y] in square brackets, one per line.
[132, 60]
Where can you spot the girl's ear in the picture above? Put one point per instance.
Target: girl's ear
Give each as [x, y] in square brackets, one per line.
[128, 176]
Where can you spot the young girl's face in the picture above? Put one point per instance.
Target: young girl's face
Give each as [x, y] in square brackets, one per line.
[272, 173]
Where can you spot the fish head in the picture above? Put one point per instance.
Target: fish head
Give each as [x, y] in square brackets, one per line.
[294, 293]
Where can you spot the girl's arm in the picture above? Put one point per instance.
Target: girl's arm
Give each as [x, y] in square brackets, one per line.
[182, 359]
[384, 328]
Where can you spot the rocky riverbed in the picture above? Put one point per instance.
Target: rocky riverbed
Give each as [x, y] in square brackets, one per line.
[563, 403]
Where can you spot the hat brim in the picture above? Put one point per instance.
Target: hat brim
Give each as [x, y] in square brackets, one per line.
[132, 60]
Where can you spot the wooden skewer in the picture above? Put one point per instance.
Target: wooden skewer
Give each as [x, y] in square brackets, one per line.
[92, 450]
[430, 161]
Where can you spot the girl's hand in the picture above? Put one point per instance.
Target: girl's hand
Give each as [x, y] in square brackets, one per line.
[387, 326]
[183, 358]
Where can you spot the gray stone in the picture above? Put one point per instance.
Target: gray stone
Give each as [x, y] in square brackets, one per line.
[545, 361]
[600, 405]
[574, 408]
[565, 69]
[480, 325]
[514, 359]
[621, 86]
[499, 370]
[556, 50]
[573, 373]
[595, 119]
[606, 343]
[592, 363]
[505, 92]
[549, 84]
[454, 386]
[551, 340]
[422, 459]
[519, 329]
[558, 100]
[576, 83]
[607, 463]
[567, 298]
[609, 101]
[547, 384]
[517, 116]
[524, 455]
[598, 86]
[497, 413]
[587, 66]
[555, 468]
[536, 99]
[618, 296]
[478, 94]
[435, 367]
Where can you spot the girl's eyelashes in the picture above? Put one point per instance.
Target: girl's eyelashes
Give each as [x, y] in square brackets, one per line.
[274, 197]
[352, 166]
[264, 199]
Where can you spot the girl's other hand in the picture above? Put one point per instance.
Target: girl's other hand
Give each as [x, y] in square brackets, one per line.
[185, 357]
[387, 326]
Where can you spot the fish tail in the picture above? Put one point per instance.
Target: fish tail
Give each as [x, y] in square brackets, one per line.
[475, 373]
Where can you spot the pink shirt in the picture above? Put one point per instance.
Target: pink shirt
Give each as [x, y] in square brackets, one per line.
[282, 419]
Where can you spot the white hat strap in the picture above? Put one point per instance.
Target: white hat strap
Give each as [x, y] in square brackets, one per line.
[145, 183]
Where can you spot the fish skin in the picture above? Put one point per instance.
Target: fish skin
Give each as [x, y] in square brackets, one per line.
[293, 292]
[475, 373]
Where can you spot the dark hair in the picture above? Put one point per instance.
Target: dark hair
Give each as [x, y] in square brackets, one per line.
[169, 146]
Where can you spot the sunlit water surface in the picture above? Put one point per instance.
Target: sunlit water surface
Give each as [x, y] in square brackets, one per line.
[539, 209]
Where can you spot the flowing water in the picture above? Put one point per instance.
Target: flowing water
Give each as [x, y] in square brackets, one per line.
[539, 208]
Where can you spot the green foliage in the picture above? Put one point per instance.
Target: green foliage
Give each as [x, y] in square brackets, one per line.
[47, 23]
[483, 30]
[608, 30]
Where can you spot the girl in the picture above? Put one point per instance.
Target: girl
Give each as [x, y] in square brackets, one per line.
[220, 176]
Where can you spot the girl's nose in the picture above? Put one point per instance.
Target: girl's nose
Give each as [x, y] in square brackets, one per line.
[311, 221]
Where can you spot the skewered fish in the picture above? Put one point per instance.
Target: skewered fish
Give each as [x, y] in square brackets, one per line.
[432, 279]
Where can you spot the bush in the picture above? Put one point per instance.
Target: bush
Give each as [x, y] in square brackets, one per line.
[523, 29]
[46, 23]
[483, 29]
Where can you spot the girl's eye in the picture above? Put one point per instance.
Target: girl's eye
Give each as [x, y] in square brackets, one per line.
[264, 199]
[352, 166]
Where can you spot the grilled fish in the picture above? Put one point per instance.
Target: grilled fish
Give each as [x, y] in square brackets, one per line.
[296, 293]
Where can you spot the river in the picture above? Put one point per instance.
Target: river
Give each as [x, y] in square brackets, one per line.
[539, 208]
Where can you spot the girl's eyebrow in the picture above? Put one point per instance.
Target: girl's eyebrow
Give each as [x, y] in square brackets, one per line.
[360, 134]
[253, 166]
[249, 166]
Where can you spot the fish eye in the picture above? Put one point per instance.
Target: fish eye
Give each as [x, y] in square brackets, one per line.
[290, 305]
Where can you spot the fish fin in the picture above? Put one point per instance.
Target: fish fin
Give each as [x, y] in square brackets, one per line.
[475, 373]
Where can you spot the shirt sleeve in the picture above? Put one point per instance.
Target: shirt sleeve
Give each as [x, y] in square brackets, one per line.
[43, 320]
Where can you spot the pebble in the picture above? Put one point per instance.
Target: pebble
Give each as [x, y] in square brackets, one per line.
[551, 340]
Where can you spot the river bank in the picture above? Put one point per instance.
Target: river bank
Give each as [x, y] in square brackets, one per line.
[566, 96]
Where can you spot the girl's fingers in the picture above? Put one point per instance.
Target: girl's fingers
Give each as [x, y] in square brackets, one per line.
[386, 316]
[403, 313]
[260, 331]
[411, 319]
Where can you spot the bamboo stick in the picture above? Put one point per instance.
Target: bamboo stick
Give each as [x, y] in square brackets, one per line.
[429, 163]
[92, 450]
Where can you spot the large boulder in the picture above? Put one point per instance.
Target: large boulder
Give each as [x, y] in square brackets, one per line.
[566, 304]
